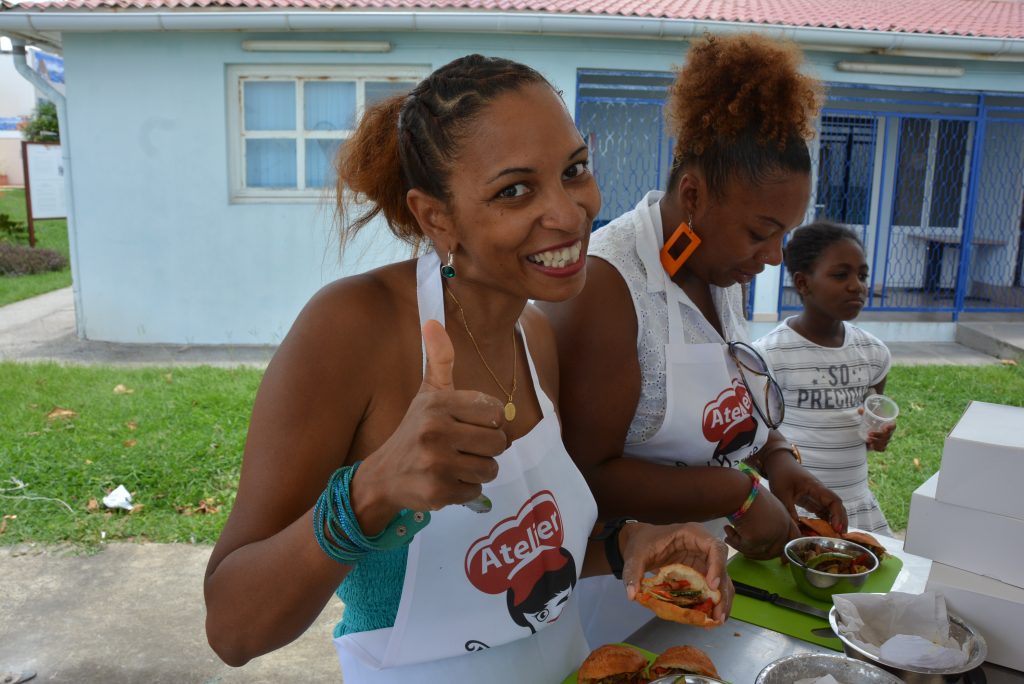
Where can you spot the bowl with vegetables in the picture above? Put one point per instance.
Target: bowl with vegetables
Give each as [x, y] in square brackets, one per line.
[822, 566]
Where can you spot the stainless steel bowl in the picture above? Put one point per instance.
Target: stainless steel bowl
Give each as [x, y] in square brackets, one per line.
[686, 679]
[822, 585]
[961, 631]
[806, 665]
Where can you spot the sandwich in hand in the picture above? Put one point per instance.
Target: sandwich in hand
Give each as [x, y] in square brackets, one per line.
[613, 664]
[680, 594]
[682, 660]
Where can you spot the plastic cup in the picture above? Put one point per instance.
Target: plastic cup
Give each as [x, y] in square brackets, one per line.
[879, 412]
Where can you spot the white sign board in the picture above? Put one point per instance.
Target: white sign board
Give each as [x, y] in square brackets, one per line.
[46, 181]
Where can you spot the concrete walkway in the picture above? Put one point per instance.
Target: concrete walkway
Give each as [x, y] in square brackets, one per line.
[134, 613]
[43, 329]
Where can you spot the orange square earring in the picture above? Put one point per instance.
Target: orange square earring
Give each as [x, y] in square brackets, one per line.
[675, 252]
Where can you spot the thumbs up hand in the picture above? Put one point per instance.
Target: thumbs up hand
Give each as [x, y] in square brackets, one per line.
[437, 376]
[444, 448]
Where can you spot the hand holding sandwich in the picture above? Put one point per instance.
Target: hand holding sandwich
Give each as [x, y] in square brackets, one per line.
[648, 548]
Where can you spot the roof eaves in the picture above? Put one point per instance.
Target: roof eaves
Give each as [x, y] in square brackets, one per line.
[301, 17]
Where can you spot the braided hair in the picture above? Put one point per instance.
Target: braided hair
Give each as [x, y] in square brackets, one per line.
[741, 108]
[410, 141]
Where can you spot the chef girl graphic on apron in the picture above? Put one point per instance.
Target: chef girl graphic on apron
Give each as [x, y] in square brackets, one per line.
[729, 420]
[523, 559]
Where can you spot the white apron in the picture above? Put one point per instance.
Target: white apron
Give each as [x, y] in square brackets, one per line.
[709, 421]
[489, 596]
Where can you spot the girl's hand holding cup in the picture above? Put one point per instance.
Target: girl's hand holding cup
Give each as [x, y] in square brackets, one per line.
[878, 421]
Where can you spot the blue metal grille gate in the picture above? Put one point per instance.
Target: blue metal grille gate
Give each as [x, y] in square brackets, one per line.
[620, 115]
[933, 181]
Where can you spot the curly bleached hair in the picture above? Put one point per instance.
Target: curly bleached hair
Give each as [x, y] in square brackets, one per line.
[741, 107]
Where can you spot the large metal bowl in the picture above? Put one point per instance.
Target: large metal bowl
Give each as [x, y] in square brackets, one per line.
[806, 665]
[958, 629]
[822, 585]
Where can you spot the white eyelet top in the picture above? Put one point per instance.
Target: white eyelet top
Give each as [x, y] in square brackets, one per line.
[625, 244]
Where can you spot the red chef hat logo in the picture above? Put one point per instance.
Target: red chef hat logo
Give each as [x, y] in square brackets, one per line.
[729, 420]
[519, 550]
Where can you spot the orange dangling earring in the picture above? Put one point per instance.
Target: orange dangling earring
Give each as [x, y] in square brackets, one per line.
[675, 252]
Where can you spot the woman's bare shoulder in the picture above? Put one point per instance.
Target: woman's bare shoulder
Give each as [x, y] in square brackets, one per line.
[352, 323]
[366, 297]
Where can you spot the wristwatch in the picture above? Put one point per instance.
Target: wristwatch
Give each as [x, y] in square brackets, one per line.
[610, 536]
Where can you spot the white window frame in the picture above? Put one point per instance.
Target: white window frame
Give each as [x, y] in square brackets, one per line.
[300, 74]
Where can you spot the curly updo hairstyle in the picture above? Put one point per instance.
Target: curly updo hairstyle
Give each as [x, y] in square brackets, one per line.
[741, 109]
[410, 141]
[809, 242]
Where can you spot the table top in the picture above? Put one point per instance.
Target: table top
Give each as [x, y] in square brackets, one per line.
[741, 650]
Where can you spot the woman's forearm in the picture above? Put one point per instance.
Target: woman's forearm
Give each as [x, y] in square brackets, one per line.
[776, 453]
[666, 494]
[265, 594]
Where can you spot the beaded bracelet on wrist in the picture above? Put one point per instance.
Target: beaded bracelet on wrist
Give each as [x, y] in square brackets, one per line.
[755, 488]
[337, 529]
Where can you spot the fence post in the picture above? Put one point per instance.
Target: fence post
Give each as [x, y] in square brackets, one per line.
[967, 234]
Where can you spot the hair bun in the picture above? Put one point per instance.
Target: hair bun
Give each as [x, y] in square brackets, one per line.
[741, 84]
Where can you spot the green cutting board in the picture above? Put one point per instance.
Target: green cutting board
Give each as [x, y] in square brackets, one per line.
[571, 679]
[776, 578]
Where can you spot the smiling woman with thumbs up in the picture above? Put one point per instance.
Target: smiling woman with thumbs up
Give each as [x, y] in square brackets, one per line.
[404, 449]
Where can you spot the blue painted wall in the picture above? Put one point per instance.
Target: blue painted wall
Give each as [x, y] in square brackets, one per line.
[164, 256]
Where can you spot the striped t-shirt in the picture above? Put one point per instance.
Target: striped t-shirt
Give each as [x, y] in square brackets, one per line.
[823, 388]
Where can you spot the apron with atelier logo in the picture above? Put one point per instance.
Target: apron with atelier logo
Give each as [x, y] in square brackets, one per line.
[709, 419]
[489, 595]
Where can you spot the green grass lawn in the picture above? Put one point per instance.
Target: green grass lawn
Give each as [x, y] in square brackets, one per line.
[174, 438]
[51, 234]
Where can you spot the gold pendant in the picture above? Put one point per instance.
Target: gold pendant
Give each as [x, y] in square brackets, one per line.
[510, 411]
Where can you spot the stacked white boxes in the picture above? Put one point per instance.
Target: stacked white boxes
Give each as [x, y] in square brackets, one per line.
[969, 519]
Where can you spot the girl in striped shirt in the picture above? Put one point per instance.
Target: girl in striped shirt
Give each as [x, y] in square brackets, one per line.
[827, 366]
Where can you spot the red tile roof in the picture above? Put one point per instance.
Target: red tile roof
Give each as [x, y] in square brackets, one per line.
[987, 18]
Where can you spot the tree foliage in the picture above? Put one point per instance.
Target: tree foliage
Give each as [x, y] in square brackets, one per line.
[42, 126]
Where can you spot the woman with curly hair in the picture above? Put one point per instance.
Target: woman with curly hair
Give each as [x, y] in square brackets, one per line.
[673, 416]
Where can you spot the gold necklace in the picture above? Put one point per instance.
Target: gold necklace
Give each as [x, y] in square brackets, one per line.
[510, 408]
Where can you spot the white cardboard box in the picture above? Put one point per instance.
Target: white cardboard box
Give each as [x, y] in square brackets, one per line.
[967, 538]
[994, 608]
[983, 460]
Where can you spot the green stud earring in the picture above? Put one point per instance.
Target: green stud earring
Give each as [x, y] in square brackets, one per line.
[448, 270]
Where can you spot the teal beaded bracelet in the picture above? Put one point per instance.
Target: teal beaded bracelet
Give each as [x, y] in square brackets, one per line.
[337, 530]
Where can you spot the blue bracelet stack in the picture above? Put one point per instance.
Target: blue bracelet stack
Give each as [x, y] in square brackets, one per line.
[337, 530]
